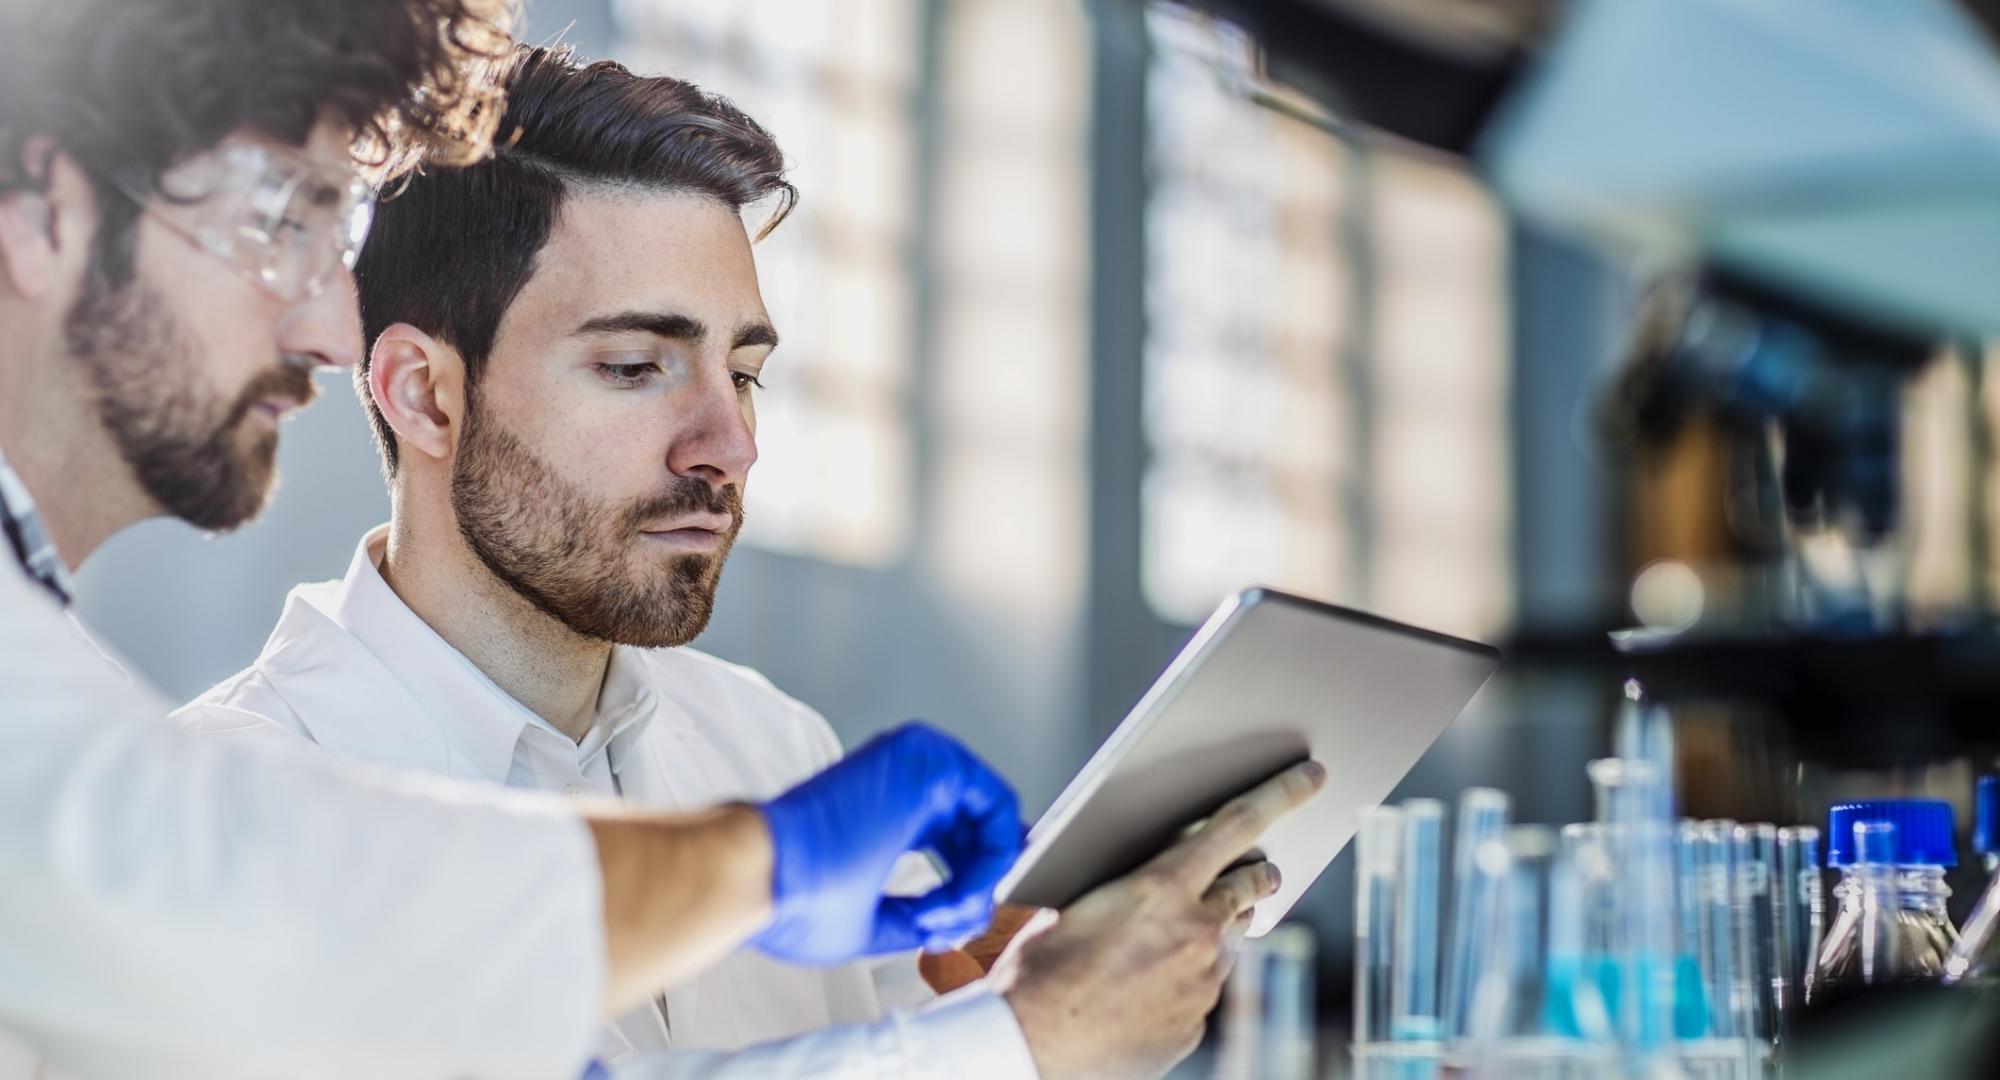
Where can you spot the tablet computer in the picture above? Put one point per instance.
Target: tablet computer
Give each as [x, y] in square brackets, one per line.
[1270, 679]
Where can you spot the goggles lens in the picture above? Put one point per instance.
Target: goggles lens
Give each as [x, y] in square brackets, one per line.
[283, 221]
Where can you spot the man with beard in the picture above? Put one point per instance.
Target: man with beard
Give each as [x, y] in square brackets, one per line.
[179, 210]
[567, 343]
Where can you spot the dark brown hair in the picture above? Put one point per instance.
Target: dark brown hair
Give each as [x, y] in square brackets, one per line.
[130, 88]
[452, 249]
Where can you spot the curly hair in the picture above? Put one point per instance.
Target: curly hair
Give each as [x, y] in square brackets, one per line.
[130, 88]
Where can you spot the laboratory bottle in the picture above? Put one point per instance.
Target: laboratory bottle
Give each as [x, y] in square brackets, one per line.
[1975, 959]
[1986, 822]
[1891, 923]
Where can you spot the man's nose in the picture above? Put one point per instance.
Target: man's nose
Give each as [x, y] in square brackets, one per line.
[718, 444]
[325, 327]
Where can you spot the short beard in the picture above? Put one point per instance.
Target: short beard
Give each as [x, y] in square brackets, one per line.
[566, 554]
[180, 441]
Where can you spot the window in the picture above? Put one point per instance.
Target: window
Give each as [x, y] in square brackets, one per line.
[1325, 358]
[1011, 375]
[835, 82]
[1438, 465]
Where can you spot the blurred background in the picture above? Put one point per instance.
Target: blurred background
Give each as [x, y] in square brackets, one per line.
[1085, 330]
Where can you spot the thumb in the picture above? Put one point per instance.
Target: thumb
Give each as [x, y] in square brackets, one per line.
[896, 926]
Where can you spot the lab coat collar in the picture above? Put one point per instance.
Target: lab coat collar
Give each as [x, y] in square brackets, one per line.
[321, 671]
[482, 722]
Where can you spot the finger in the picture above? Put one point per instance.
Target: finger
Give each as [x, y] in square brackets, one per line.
[975, 870]
[947, 971]
[1236, 931]
[988, 807]
[902, 924]
[1236, 892]
[963, 905]
[973, 807]
[977, 847]
[1010, 918]
[942, 915]
[1006, 923]
[959, 917]
[896, 928]
[1233, 830]
[1232, 942]
[982, 830]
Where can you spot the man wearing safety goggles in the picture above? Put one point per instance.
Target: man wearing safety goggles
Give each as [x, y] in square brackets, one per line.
[179, 214]
[290, 223]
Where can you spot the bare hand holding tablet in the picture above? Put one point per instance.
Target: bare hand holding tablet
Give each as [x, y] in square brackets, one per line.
[1122, 981]
[1119, 981]
[1270, 679]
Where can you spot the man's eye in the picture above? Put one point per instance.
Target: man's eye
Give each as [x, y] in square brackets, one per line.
[744, 380]
[627, 374]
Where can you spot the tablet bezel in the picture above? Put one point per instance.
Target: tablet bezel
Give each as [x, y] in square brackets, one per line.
[1207, 642]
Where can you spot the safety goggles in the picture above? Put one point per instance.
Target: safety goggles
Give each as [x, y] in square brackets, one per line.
[286, 223]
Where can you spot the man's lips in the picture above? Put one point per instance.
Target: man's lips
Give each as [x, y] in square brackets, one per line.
[276, 408]
[712, 523]
[698, 534]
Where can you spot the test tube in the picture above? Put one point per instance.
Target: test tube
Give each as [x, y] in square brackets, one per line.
[1657, 980]
[1758, 971]
[1267, 1009]
[1482, 815]
[1586, 848]
[1690, 983]
[1715, 867]
[1635, 816]
[1645, 734]
[1377, 846]
[1584, 905]
[1510, 989]
[1414, 998]
[1789, 929]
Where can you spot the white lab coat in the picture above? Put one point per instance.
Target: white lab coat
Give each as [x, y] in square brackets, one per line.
[351, 668]
[234, 908]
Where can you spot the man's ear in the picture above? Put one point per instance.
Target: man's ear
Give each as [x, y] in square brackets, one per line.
[27, 255]
[418, 383]
[32, 225]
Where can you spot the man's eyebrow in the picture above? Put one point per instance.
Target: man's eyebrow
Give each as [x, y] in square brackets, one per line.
[664, 324]
[754, 333]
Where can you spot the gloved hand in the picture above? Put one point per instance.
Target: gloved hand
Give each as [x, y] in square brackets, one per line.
[837, 836]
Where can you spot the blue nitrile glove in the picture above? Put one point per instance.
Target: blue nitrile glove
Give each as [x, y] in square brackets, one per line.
[837, 837]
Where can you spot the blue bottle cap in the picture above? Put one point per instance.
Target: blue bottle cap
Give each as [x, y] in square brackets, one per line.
[1924, 831]
[1986, 817]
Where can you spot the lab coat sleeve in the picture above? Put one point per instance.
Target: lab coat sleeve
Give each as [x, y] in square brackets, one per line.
[205, 720]
[967, 1035]
[230, 908]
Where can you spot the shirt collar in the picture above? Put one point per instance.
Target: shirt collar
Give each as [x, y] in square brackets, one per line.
[483, 720]
[21, 525]
[627, 704]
